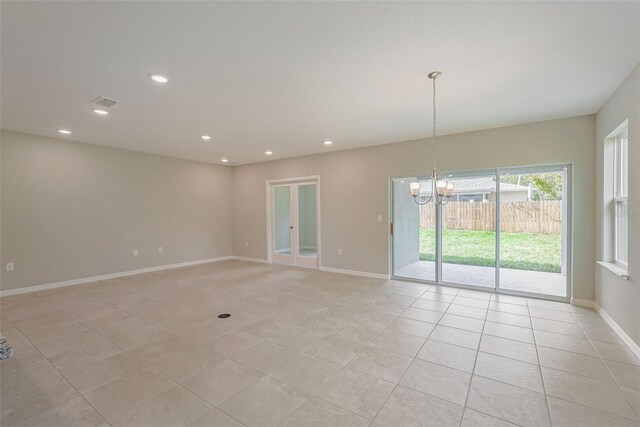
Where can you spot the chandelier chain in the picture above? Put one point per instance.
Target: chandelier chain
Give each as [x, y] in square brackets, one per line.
[434, 123]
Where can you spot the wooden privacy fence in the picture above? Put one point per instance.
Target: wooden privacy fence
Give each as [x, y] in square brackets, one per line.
[538, 216]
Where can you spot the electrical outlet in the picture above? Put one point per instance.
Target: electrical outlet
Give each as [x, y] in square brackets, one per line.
[246, 243]
[379, 218]
[9, 266]
[160, 249]
[135, 252]
[339, 251]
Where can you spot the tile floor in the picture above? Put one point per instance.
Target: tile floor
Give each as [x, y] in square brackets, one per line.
[304, 347]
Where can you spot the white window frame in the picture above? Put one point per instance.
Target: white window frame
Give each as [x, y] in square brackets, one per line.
[620, 199]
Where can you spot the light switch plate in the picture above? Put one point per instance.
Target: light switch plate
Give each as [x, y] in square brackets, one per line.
[9, 266]
[379, 218]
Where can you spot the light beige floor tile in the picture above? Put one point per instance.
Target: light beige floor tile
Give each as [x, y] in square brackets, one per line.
[463, 310]
[509, 371]
[411, 327]
[406, 407]
[175, 359]
[359, 393]
[80, 350]
[399, 299]
[574, 363]
[426, 304]
[633, 397]
[567, 414]
[265, 356]
[115, 398]
[268, 402]
[466, 323]
[31, 389]
[577, 309]
[216, 418]
[509, 319]
[90, 377]
[171, 408]
[449, 355]
[264, 328]
[232, 343]
[586, 391]
[437, 380]
[389, 308]
[406, 344]
[616, 352]
[548, 305]
[555, 326]
[438, 296]
[471, 302]
[506, 402]
[458, 337]
[335, 349]
[469, 293]
[296, 337]
[131, 332]
[509, 348]
[217, 383]
[565, 342]
[509, 308]
[509, 299]
[318, 413]
[561, 316]
[625, 374]
[446, 290]
[511, 332]
[380, 363]
[473, 418]
[305, 372]
[73, 413]
[359, 330]
[422, 315]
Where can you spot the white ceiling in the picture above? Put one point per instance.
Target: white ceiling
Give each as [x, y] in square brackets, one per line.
[286, 76]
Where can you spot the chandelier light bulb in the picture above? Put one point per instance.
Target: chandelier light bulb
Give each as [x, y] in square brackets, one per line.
[415, 189]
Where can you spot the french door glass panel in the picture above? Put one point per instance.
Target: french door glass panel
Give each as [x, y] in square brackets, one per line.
[307, 235]
[532, 231]
[414, 229]
[282, 216]
[468, 231]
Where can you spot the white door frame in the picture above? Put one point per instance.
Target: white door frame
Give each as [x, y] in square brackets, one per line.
[270, 184]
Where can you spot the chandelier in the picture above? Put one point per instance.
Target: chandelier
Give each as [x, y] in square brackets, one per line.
[441, 190]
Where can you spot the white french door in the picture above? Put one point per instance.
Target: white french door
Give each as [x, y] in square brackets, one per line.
[294, 237]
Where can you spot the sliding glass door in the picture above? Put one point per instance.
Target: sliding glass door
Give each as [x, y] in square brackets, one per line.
[505, 230]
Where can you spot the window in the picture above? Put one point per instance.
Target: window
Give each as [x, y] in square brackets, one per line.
[620, 198]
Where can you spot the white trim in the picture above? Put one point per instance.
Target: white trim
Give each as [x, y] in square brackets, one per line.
[74, 282]
[249, 259]
[583, 302]
[615, 269]
[354, 272]
[633, 346]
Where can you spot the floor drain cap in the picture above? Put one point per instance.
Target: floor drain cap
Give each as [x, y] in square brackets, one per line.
[224, 316]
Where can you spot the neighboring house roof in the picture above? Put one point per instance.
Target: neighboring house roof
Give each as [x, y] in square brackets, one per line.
[476, 186]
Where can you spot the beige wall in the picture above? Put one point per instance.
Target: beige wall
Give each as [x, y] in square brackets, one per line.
[354, 189]
[620, 298]
[72, 210]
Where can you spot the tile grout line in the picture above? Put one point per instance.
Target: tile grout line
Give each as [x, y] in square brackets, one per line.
[544, 389]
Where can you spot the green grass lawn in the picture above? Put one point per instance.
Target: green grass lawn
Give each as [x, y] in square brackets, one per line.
[521, 251]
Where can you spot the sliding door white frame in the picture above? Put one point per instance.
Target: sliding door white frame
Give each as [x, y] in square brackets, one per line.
[567, 231]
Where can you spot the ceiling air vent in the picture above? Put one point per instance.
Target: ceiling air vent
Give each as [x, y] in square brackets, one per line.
[105, 102]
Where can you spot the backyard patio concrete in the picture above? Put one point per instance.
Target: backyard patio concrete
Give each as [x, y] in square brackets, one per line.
[538, 282]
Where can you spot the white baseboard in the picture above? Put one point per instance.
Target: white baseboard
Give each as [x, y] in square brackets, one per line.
[355, 272]
[633, 346]
[583, 302]
[73, 282]
[249, 259]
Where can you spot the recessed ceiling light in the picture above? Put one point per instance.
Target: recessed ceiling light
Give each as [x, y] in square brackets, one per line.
[64, 131]
[224, 160]
[159, 78]
[205, 137]
[328, 142]
[268, 153]
[100, 112]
